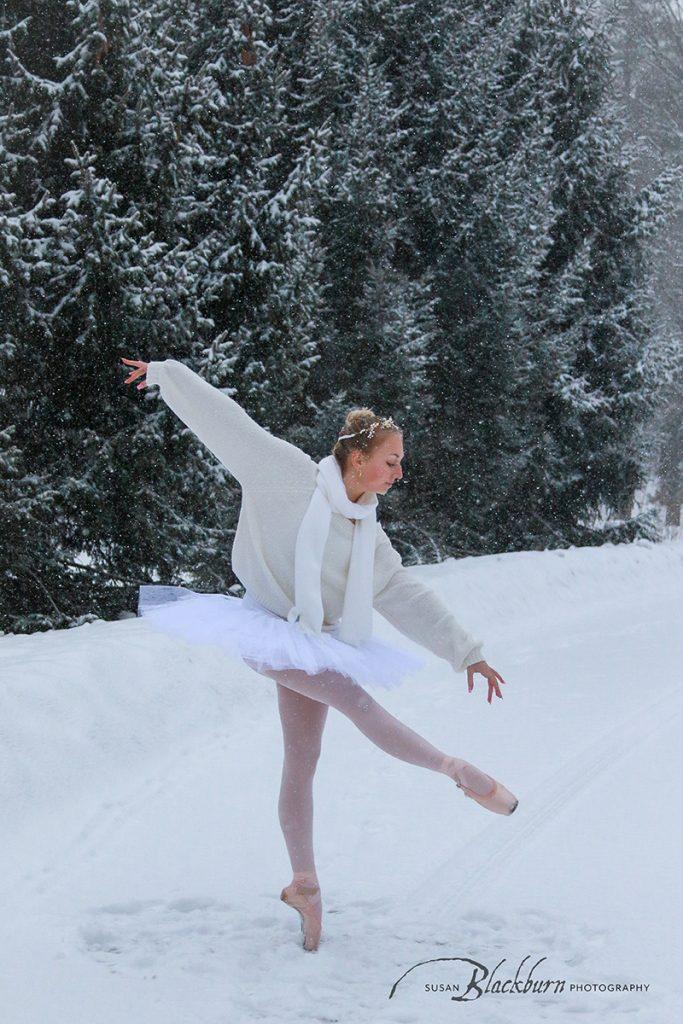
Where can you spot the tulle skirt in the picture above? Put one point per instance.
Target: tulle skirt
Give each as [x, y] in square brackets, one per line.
[245, 629]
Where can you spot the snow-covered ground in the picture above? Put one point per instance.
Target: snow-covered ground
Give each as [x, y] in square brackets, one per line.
[142, 860]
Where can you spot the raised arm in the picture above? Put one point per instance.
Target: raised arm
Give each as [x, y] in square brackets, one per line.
[255, 457]
[417, 611]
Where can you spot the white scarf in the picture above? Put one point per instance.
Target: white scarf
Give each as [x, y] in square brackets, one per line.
[330, 496]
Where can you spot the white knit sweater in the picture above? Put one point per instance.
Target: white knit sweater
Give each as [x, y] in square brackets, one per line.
[278, 480]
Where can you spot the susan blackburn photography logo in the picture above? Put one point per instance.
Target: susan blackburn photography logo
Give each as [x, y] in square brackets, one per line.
[474, 979]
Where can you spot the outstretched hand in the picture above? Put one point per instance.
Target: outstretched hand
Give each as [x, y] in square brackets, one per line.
[494, 678]
[140, 372]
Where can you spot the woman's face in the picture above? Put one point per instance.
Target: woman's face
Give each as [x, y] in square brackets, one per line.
[381, 469]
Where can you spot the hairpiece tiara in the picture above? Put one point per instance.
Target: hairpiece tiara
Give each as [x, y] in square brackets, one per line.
[386, 423]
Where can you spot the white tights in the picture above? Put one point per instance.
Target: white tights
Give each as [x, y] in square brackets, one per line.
[303, 702]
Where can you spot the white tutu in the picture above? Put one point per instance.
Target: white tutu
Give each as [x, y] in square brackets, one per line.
[245, 629]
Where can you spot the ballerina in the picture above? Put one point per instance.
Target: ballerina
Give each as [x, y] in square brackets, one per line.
[314, 561]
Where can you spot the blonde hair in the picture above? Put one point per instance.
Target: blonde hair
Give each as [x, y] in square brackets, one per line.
[363, 430]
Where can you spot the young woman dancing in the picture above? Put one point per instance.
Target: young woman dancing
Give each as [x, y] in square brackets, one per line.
[314, 561]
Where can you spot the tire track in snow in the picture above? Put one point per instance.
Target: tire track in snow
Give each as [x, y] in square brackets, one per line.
[101, 825]
[455, 880]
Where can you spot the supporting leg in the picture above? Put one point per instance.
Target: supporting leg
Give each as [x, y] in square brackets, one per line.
[303, 720]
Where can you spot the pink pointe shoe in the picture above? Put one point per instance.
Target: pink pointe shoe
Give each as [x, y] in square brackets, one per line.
[303, 894]
[479, 786]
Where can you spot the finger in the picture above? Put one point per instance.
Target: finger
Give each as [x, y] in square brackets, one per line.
[470, 680]
[134, 375]
[499, 676]
[490, 696]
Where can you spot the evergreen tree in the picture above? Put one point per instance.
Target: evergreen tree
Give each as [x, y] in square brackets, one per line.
[26, 499]
[599, 398]
[469, 190]
[244, 214]
[379, 317]
[648, 60]
[92, 289]
[528, 214]
[232, 192]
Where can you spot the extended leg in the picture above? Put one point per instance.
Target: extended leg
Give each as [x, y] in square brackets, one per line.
[384, 729]
[391, 735]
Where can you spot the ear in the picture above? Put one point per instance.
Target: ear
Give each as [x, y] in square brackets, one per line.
[357, 459]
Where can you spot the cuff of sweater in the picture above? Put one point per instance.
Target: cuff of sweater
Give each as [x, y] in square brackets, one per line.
[152, 374]
[474, 655]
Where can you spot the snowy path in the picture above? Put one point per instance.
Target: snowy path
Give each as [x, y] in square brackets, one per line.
[143, 861]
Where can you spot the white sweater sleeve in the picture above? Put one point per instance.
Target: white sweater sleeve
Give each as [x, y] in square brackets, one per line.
[253, 455]
[417, 611]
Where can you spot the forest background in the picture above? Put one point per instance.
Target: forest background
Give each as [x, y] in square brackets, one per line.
[466, 215]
